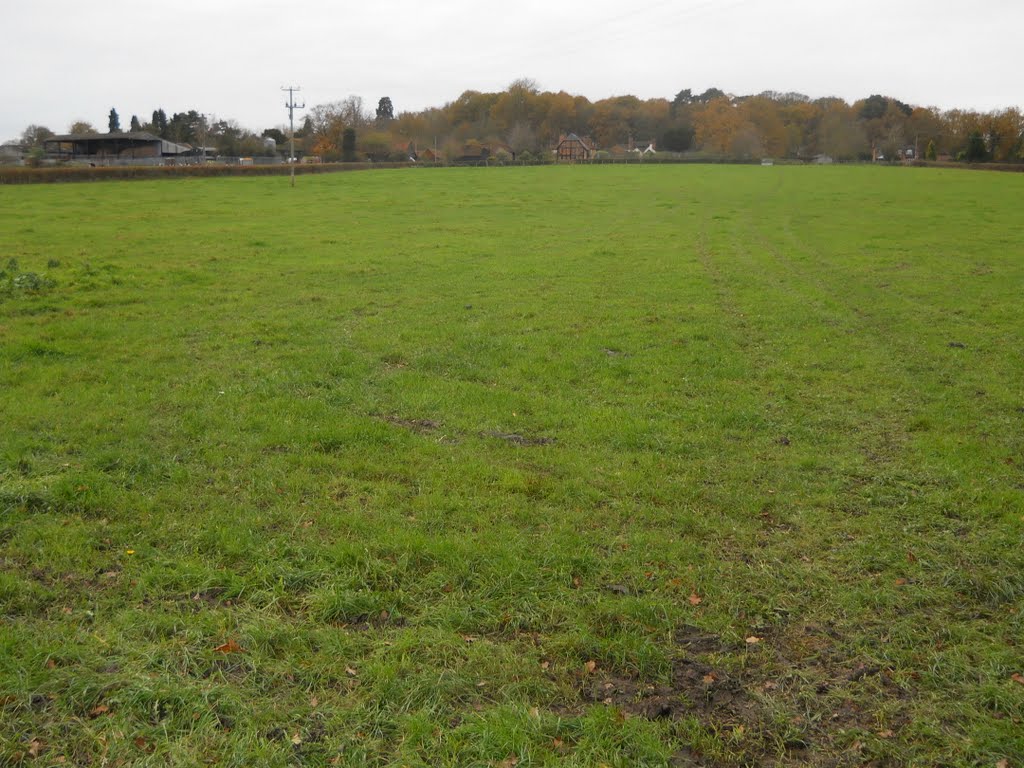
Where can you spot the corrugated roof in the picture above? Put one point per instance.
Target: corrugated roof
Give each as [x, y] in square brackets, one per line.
[132, 136]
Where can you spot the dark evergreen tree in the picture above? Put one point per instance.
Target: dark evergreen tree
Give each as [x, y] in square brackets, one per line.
[976, 152]
[276, 134]
[678, 139]
[136, 125]
[385, 110]
[348, 145]
[113, 122]
[160, 123]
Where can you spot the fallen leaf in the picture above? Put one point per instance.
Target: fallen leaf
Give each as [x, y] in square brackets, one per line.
[545, 664]
[1017, 677]
[102, 709]
[296, 739]
[509, 762]
[35, 747]
[469, 638]
[314, 702]
[753, 640]
[886, 734]
[535, 712]
[901, 582]
[351, 672]
[695, 599]
[1004, 763]
[590, 666]
[577, 582]
[129, 551]
[231, 646]
[911, 557]
[557, 743]
[481, 684]
[51, 664]
[709, 678]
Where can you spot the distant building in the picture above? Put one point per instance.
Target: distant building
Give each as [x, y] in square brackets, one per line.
[12, 154]
[642, 147]
[572, 147]
[473, 154]
[113, 147]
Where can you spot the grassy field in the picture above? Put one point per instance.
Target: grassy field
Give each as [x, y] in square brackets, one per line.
[514, 467]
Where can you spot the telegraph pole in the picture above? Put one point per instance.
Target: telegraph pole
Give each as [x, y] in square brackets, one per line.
[291, 106]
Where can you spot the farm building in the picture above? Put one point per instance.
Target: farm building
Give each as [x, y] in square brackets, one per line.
[12, 154]
[116, 147]
[572, 147]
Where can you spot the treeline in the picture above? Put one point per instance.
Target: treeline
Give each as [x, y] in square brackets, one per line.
[526, 122]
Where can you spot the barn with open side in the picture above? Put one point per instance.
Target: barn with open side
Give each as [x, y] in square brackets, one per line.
[116, 147]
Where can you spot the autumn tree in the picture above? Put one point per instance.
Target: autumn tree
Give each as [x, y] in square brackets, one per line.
[82, 127]
[716, 125]
[839, 134]
[35, 135]
[559, 116]
[515, 105]
[1003, 133]
[616, 120]
[764, 132]
[374, 145]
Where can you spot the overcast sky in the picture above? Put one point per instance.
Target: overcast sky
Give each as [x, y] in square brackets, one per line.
[67, 61]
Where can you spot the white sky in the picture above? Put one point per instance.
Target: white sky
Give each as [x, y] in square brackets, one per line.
[65, 61]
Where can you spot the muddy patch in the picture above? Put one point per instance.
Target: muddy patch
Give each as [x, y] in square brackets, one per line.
[797, 673]
[525, 441]
[695, 688]
[419, 426]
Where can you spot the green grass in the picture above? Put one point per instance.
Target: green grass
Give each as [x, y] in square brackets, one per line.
[442, 457]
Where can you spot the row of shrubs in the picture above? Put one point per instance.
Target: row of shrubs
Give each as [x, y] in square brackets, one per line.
[22, 175]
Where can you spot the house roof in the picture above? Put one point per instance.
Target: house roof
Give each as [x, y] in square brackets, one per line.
[129, 136]
[588, 143]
